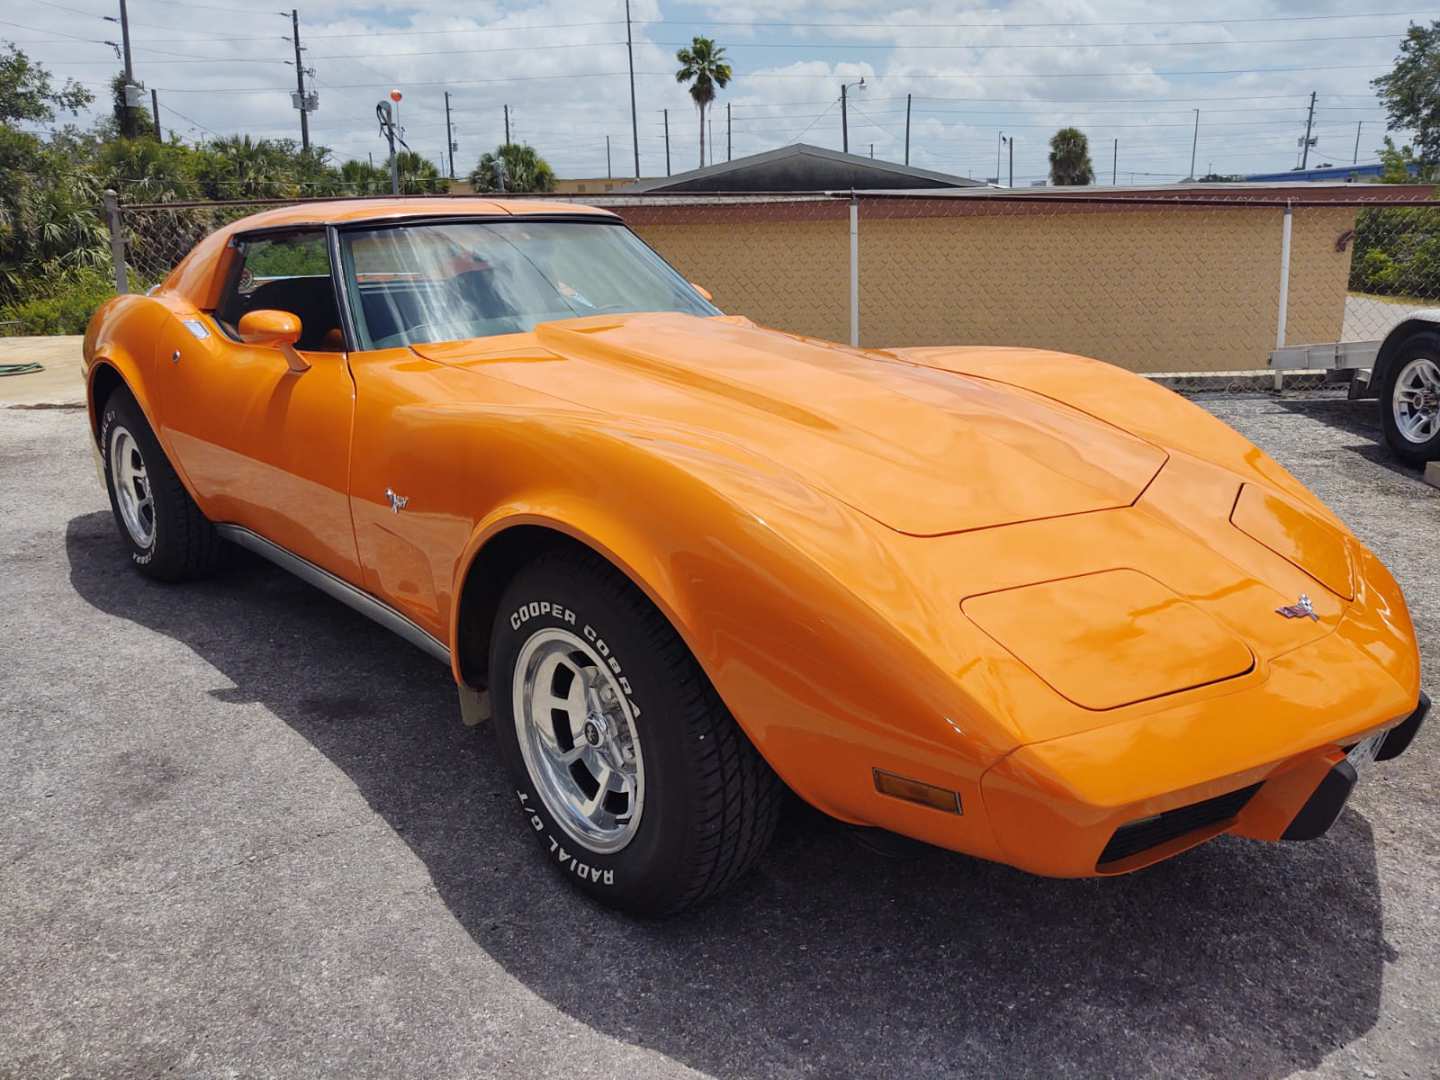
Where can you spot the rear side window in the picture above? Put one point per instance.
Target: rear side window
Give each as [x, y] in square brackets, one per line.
[286, 273]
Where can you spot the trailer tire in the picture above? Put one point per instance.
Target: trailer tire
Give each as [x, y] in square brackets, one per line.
[1410, 399]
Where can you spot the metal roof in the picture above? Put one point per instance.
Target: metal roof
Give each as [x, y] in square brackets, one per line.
[800, 167]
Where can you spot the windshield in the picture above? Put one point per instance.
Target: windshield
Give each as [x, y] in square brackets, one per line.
[418, 283]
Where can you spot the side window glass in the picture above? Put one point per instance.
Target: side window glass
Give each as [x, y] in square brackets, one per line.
[287, 273]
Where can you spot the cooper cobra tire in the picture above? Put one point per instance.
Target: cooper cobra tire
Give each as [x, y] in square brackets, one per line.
[166, 534]
[1417, 364]
[688, 805]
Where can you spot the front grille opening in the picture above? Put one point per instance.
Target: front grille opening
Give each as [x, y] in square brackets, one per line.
[1151, 832]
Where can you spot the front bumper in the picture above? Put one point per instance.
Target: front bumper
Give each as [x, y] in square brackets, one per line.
[1109, 801]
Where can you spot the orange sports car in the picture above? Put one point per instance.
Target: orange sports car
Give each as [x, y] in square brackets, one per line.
[1014, 603]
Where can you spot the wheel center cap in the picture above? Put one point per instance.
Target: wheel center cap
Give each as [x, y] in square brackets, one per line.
[594, 731]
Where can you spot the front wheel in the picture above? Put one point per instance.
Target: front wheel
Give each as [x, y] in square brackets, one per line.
[1410, 400]
[629, 771]
[166, 534]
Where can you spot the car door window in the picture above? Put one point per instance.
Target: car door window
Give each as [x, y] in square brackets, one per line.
[290, 273]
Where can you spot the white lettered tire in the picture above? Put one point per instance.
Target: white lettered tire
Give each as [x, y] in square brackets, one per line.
[629, 772]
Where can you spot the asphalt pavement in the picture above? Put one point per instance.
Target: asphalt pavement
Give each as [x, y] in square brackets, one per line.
[245, 834]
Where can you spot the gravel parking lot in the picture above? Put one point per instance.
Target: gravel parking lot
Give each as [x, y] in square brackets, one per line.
[245, 834]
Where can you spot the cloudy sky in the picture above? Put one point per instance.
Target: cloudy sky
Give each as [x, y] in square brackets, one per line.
[1117, 69]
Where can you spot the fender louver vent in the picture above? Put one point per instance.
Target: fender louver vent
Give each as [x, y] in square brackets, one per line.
[1150, 832]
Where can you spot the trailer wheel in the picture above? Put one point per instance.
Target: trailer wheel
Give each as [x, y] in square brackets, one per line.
[1410, 399]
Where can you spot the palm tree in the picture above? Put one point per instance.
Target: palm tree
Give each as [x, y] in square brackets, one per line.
[418, 175]
[525, 170]
[703, 66]
[1070, 158]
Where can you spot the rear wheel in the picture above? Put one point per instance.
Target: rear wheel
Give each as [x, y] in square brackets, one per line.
[629, 771]
[1410, 399]
[167, 535]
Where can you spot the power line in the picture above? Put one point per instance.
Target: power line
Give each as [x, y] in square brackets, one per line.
[960, 25]
[984, 46]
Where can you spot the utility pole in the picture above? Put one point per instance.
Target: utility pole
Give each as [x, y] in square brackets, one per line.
[872, 151]
[160, 135]
[727, 131]
[907, 129]
[1309, 122]
[667, 140]
[999, 146]
[609, 174]
[507, 125]
[635, 123]
[1011, 141]
[1358, 125]
[1194, 142]
[131, 99]
[449, 138]
[1115, 165]
[300, 81]
[125, 42]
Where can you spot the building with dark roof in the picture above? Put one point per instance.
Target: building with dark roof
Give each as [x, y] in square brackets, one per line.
[801, 167]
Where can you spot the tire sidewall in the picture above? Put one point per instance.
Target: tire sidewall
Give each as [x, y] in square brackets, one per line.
[642, 876]
[121, 411]
[1427, 345]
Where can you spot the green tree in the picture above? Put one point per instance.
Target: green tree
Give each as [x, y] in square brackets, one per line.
[27, 93]
[130, 123]
[1399, 165]
[525, 170]
[1070, 158]
[703, 66]
[1411, 92]
[418, 175]
[362, 178]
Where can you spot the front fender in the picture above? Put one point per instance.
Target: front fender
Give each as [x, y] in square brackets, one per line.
[802, 617]
[119, 344]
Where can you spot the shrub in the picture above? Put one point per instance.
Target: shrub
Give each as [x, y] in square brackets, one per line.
[64, 310]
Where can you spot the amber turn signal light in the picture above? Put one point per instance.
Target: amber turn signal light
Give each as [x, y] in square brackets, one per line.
[900, 787]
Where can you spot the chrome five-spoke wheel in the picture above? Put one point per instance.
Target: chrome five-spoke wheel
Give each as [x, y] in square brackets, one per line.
[1416, 400]
[577, 734]
[131, 481]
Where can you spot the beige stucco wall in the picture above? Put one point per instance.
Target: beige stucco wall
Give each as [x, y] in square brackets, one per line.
[794, 275]
[1181, 288]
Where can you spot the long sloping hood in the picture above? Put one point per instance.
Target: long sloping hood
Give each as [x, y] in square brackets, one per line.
[922, 451]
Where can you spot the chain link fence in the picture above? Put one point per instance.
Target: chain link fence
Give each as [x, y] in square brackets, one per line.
[1198, 286]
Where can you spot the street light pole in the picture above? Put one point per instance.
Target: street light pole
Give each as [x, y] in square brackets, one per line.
[844, 115]
[634, 122]
[1194, 142]
[907, 129]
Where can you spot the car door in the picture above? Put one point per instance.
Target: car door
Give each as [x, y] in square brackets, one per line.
[262, 444]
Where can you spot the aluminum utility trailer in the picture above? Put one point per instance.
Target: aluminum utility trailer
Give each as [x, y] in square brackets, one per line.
[1402, 372]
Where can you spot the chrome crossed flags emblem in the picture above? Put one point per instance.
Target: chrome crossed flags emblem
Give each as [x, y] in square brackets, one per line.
[1301, 609]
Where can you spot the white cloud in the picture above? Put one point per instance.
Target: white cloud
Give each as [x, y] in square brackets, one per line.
[1026, 67]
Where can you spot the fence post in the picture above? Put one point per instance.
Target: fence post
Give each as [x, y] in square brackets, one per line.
[117, 240]
[1284, 290]
[854, 271]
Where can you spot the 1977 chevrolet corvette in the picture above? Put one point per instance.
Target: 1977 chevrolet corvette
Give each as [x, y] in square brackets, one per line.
[1010, 602]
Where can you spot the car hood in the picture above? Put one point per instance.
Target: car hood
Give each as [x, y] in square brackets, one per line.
[923, 451]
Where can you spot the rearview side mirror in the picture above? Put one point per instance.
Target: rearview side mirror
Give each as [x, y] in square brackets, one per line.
[277, 330]
[703, 291]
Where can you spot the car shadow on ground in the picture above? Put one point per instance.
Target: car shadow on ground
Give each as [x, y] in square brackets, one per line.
[1237, 959]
